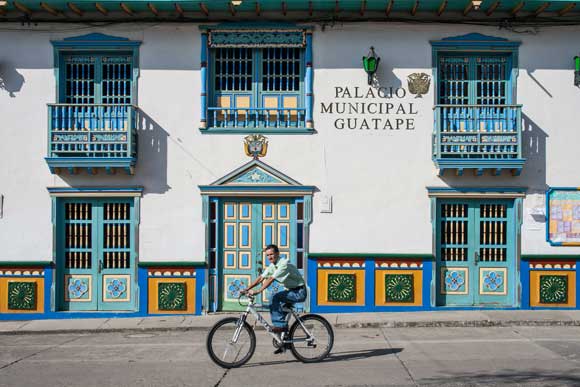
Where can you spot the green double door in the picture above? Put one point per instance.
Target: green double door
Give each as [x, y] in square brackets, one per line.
[246, 228]
[476, 253]
[96, 267]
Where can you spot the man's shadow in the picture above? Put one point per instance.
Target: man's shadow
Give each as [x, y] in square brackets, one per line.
[339, 356]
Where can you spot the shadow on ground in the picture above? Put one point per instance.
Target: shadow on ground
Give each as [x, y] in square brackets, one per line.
[340, 356]
[536, 378]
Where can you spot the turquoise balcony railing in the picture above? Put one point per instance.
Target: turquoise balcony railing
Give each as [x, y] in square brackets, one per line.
[256, 119]
[92, 136]
[478, 137]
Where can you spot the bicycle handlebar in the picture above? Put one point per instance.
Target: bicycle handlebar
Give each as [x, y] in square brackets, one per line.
[245, 294]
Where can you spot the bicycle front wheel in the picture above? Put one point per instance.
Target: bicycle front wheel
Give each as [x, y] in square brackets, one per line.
[312, 338]
[231, 343]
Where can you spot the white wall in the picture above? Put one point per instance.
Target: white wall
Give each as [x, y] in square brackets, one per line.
[377, 178]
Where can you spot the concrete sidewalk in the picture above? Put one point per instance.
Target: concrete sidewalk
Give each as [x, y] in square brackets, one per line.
[461, 318]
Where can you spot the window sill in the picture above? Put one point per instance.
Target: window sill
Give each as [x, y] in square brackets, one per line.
[260, 130]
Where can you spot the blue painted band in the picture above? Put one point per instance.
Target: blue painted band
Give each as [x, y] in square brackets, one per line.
[55, 190]
[476, 189]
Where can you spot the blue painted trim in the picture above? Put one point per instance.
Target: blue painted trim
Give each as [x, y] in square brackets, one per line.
[199, 285]
[525, 284]
[95, 37]
[90, 162]
[369, 283]
[57, 190]
[94, 40]
[475, 41]
[476, 189]
[204, 80]
[428, 268]
[473, 36]
[143, 284]
[474, 164]
[577, 286]
[210, 189]
[259, 130]
[311, 281]
[309, 81]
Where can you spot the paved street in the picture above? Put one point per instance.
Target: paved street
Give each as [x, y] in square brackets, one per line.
[371, 356]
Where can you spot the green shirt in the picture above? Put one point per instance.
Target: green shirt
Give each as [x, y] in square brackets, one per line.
[285, 273]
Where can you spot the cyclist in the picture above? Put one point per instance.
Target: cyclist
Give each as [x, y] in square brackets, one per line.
[287, 274]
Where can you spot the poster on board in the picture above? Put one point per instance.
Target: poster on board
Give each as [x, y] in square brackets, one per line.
[563, 216]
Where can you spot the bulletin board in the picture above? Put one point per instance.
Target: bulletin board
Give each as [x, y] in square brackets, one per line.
[563, 216]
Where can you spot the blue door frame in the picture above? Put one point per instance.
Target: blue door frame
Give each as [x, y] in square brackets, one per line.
[95, 254]
[476, 252]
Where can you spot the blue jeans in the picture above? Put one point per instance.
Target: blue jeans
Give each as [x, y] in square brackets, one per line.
[281, 298]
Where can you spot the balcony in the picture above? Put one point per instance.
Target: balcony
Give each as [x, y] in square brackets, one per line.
[263, 120]
[478, 137]
[92, 136]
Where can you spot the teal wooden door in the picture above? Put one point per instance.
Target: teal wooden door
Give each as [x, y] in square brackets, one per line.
[96, 254]
[248, 226]
[476, 253]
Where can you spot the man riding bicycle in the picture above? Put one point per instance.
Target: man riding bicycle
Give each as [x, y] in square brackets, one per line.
[287, 274]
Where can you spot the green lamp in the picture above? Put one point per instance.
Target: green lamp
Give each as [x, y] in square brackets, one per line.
[577, 71]
[371, 63]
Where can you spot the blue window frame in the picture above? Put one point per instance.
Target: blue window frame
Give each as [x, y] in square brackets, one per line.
[477, 120]
[256, 80]
[93, 124]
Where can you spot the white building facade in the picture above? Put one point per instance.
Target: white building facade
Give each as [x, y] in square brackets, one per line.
[445, 179]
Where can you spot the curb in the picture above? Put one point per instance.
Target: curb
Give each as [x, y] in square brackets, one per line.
[379, 324]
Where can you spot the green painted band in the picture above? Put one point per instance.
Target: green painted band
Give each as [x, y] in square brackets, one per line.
[550, 256]
[25, 263]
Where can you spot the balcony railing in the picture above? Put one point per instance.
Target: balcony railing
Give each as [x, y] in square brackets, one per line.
[92, 136]
[266, 119]
[478, 137]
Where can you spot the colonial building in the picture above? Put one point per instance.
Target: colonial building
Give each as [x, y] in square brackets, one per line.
[405, 155]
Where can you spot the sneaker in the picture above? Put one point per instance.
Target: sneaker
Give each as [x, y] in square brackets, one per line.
[282, 349]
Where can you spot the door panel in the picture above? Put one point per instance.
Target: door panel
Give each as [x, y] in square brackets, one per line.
[96, 255]
[475, 252]
[248, 226]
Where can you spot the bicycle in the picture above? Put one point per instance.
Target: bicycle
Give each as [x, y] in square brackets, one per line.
[231, 342]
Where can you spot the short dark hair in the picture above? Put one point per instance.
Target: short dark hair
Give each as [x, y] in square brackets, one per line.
[273, 247]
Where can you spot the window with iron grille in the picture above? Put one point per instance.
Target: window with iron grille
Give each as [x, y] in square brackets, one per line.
[255, 86]
[476, 115]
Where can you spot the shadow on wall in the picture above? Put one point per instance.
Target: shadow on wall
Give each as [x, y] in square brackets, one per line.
[534, 147]
[152, 155]
[10, 79]
[151, 168]
[533, 175]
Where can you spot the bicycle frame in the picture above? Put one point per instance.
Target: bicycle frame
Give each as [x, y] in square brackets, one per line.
[251, 309]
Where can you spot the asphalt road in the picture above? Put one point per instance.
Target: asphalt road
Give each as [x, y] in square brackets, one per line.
[527, 356]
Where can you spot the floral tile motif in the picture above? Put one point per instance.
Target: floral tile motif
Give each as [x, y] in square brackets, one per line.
[235, 287]
[172, 296]
[493, 281]
[22, 295]
[78, 288]
[454, 280]
[399, 288]
[341, 288]
[116, 287]
[553, 289]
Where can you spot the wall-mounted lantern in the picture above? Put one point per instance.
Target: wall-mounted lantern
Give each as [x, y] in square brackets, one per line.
[371, 63]
[577, 71]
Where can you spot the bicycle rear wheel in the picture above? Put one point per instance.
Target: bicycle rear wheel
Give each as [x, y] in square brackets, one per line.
[312, 338]
[231, 344]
